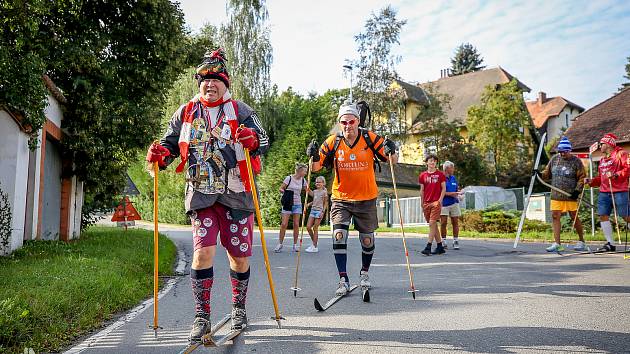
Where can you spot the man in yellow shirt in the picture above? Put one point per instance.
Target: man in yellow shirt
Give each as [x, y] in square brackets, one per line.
[351, 155]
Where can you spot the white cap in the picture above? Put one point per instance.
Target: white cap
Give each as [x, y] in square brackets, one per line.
[348, 108]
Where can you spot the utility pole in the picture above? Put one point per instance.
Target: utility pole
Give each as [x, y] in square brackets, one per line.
[349, 68]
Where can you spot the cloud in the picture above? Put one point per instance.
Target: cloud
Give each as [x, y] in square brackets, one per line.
[575, 49]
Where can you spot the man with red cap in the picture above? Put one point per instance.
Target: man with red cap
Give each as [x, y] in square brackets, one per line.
[614, 169]
[210, 132]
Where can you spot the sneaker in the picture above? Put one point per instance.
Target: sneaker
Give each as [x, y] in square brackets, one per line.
[343, 287]
[365, 280]
[439, 249]
[555, 248]
[311, 249]
[426, 251]
[296, 248]
[455, 244]
[580, 246]
[239, 317]
[607, 248]
[200, 327]
[278, 248]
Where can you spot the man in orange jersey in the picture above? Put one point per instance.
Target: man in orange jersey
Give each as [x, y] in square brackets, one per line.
[351, 154]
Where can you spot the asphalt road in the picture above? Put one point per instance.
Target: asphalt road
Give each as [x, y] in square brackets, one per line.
[482, 298]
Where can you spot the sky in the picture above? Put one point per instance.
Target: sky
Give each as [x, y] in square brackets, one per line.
[569, 48]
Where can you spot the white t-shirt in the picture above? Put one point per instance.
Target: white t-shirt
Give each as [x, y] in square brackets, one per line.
[295, 185]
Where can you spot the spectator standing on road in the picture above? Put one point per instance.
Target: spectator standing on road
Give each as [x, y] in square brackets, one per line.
[291, 190]
[567, 173]
[450, 205]
[432, 189]
[318, 209]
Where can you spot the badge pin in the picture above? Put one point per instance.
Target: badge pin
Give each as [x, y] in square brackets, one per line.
[207, 222]
[233, 228]
[244, 247]
[235, 241]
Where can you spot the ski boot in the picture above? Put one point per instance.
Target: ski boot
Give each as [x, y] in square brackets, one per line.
[343, 287]
[200, 327]
[365, 280]
[239, 318]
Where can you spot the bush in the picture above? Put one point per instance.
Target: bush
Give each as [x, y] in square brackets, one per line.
[6, 222]
[495, 220]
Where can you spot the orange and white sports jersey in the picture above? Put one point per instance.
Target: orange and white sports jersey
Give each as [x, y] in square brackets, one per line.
[353, 168]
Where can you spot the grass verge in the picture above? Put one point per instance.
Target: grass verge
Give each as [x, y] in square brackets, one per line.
[51, 291]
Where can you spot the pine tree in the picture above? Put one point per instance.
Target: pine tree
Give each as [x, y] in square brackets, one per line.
[466, 60]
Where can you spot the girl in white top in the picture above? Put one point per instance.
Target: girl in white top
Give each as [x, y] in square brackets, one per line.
[319, 205]
[295, 183]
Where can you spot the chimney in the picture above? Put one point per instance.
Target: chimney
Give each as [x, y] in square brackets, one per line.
[542, 97]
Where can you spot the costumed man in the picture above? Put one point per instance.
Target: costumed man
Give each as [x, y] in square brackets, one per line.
[614, 169]
[210, 133]
[566, 172]
[351, 154]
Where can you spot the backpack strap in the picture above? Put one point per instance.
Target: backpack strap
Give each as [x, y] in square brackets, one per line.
[375, 145]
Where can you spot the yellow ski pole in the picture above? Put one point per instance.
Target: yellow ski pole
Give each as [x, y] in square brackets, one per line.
[262, 238]
[402, 229]
[297, 265]
[155, 248]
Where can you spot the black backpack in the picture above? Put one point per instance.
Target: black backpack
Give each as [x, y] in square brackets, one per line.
[364, 114]
[375, 146]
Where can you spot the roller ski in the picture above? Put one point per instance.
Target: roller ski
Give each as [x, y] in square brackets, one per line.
[365, 286]
[206, 339]
[343, 290]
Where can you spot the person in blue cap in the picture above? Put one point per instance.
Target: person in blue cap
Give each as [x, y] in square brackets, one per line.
[566, 172]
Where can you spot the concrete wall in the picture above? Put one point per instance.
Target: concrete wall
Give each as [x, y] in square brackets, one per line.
[14, 158]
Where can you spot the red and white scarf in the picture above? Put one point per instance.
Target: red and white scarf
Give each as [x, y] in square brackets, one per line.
[230, 111]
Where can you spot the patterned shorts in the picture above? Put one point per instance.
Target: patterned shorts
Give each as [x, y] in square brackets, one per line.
[236, 235]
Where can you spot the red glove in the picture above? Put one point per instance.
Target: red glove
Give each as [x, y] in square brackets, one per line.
[247, 137]
[157, 153]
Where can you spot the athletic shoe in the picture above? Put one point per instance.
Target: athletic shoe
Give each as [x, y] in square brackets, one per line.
[365, 280]
[311, 249]
[455, 244]
[555, 248]
[343, 287]
[439, 249]
[580, 246]
[200, 327]
[296, 248]
[426, 251]
[607, 248]
[278, 248]
[239, 317]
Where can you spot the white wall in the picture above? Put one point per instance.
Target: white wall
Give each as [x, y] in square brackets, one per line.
[555, 125]
[53, 111]
[76, 206]
[14, 157]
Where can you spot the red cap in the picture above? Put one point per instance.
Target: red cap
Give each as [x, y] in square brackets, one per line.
[609, 139]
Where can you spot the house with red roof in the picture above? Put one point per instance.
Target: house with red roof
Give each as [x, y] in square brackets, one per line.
[552, 115]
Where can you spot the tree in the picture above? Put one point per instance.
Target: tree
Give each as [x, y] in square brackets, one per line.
[466, 60]
[376, 71]
[443, 138]
[305, 118]
[497, 128]
[114, 61]
[627, 76]
[248, 48]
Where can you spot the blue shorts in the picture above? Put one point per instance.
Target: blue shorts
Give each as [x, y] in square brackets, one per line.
[295, 209]
[605, 206]
[316, 214]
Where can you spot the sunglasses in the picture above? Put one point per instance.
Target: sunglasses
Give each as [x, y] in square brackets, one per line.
[347, 122]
